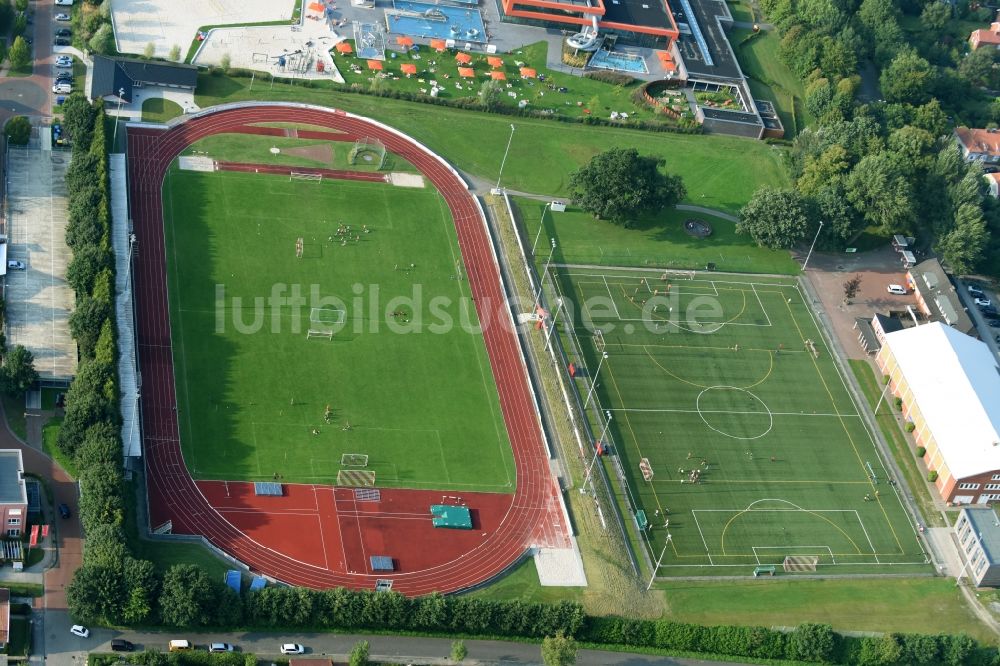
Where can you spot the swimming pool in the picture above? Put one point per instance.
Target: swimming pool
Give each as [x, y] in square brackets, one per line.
[421, 19]
[619, 61]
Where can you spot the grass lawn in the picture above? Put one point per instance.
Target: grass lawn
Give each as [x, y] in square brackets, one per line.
[159, 110]
[905, 456]
[415, 388]
[19, 640]
[293, 152]
[50, 437]
[741, 11]
[770, 79]
[722, 378]
[659, 240]
[583, 97]
[719, 171]
[13, 408]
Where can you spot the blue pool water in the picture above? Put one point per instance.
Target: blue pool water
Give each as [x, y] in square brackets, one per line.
[616, 60]
[420, 19]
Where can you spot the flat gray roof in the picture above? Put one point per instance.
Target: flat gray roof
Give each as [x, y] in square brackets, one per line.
[984, 522]
[12, 489]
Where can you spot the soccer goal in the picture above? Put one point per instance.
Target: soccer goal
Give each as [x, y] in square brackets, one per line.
[794, 563]
[599, 340]
[300, 246]
[356, 478]
[354, 460]
[324, 334]
[308, 177]
[326, 316]
[368, 151]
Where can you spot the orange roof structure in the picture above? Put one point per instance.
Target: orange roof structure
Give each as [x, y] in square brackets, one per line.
[438, 45]
[466, 72]
[666, 61]
[498, 76]
[375, 65]
[403, 40]
[990, 36]
[529, 73]
[344, 47]
[463, 58]
[317, 7]
[978, 141]
[408, 68]
[495, 61]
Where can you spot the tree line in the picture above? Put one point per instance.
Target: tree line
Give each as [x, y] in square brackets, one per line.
[891, 164]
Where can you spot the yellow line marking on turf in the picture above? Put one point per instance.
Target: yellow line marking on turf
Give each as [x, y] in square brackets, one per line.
[722, 538]
[847, 432]
[770, 369]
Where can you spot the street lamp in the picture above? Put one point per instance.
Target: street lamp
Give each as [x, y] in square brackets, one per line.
[541, 279]
[815, 238]
[552, 326]
[114, 136]
[541, 225]
[504, 160]
[593, 381]
[597, 450]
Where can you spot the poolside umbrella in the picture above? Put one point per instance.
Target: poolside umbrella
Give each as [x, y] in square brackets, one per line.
[438, 45]
[375, 65]
[498, 76]
[344, 47]
[466, 72]
[404, 41]
[463, 58]
[408, 68]
[528, 73]
[495, 61]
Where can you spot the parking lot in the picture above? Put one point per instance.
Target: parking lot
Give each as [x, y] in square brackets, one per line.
[38, 298]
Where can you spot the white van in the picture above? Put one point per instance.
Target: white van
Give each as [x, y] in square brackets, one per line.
[897, 289]
[179, 645]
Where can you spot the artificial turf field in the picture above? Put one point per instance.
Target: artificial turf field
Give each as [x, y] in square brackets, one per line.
[719, 378]
[253, 397]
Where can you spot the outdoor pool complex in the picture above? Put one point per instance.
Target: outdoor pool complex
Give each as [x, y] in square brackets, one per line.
[420, 19]
[616, 60]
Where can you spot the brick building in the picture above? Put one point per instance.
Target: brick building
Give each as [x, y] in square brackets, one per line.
[949, 384]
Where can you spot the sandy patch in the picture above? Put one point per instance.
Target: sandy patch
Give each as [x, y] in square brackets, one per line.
[400, 179]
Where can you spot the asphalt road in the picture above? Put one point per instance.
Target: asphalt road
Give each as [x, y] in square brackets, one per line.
[62, 648]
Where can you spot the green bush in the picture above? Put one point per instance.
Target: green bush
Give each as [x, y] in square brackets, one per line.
[607, 76]
[898, 402]
[932, 475]
[921, 452]
[18, 130]
[910, 426]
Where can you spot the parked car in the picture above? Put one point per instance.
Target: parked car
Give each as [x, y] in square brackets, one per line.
[64, 511]
[897, 289]
[179, 645]
[988, 311]
[64, 3]
[61, 17]
[64, 65]
[994, 323]
[975, 291]
[79, 630]
[982, 302]
[121, 645]
[292, 648]
[15, 265]
[60, 100]
[61, 41]
[64, 32]
[220, 647]
[63, 88]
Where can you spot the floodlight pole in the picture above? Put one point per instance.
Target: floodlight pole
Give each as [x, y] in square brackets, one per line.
[114, 135]
[593, 381]
[660, 559]
[882, 397]
[552, 327]
[597, 450]
[504, 160]
[541, 225]
[541, 279]
[815, 238]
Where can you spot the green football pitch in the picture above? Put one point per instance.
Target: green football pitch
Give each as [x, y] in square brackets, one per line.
[734, 430]
[366, 344]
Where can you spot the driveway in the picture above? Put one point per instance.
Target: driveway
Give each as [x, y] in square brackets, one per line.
[29, 95]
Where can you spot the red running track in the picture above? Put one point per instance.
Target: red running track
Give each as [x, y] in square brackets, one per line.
[172, 491]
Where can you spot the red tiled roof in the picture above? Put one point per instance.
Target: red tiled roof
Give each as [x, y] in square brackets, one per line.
[984, 36]
[979, 140]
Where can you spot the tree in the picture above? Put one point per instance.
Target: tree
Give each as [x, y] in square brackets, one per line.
[774, 218]
[851, 288]
[19, 54]
[490, 94]
[956, 649]
[963, 247]
[149, 51]
[175, 53]
[225, 62]
[908, 78]
[89, 259]
[880, 188]
[86, 321]
[78, 121]
[978, 68]
[458, 651]
[188, 597]
[558, 650]
[21, 5]
[95, 595]
[883, 650]
[143, 584]
[21, 24]
[19, 371]
[811, 642]
[18, 130]
[359, 654]
[935, 16]
[619, 185]
[103, 40]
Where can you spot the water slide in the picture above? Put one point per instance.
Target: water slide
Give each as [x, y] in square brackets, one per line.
[586, 40]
